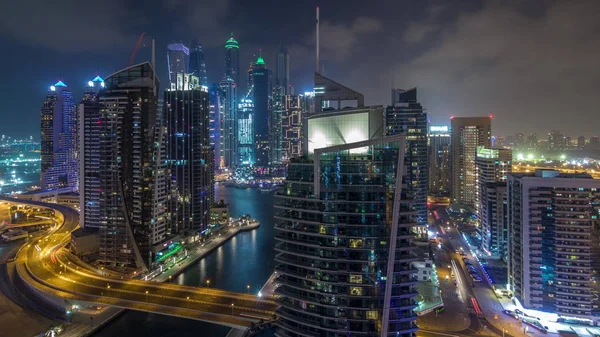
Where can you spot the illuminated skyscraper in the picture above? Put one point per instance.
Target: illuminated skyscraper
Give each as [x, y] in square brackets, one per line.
[439, 160]
[90, 131]
[291, 128]
[229, 128]
[190, 157]
[132, 155]
[232, 60]
[277, 108]
[216, 110]
[246, 147]
[178, 60]
[408, 117]
[467, 134]
[197, 63]
[262, 95]
[59, 139]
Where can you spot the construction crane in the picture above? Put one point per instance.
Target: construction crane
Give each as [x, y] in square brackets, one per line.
[137, 46]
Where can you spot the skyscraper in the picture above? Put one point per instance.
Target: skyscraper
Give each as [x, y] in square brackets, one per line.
[262, 90]
[439, 160]
[133, 178]
[90, 131]
[554, 256]
[407, 116]
[229, 128]
[216, 111]
[190, 157]
[178, 61]
[59, 139]
[493, 166]
[232, 60]
[277, 107]
[348, 273]
[246, 148]
[291, 128]
[282, 69]
[197, 65]
[467, 134]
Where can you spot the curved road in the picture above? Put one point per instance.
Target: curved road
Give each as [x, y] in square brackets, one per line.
[45, 265]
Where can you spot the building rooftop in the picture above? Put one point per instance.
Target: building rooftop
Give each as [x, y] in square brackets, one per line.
[232, 43]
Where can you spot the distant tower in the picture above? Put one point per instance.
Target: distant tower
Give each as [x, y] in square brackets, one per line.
[232, 60]
[59, 139]
[282, 69]
[178, 59]
[261, 78]
[229, 127]
[197, 63]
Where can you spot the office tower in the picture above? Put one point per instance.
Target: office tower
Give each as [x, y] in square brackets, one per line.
[556, 140]
[90, 130]
[330, 95]
[554, 256]
[177, 60]
[348, 273]
[232, 60]
[532, 141]
[282, 70]
[262, 95]
[133, 178]
[492, 165]
[190, 157]
[439, 160]
[407, 116]
[216, 112]
[245, 128]
[275, 125]
[580, 143]
[228, 131]
[519, 140]
[594, 143]
[498, 141]
[291, 128]
[467, 134]
[59, 139]
[197, 65]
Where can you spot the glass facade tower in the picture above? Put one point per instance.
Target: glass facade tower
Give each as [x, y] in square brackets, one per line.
[262, 95]
[344, 243]
[59, 139]
[197, 65]
[177, 60]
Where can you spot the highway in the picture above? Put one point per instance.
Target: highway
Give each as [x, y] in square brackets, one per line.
[46, 265]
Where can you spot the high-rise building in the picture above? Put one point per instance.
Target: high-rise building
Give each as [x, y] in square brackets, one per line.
[177, 60]
[439, 160]
[556, 140]
[493, 166]
[291, 128]
[467, 134]
[282, 69]
[277, 108]
[245, 137]
[90, 130]
[520, 140]
[554, 256]
[407, 116]
[216, 112]
[190, 157]
[262, 95]
[594, 143]
[348, 273]
[197, 66]
[232, 60]
[133, 178]
[59, 139]
[532, 141]
[580, 143]
[229, 128]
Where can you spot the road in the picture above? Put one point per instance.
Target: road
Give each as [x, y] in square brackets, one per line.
[44, 264]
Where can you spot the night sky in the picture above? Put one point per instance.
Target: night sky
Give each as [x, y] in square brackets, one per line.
[534, 65]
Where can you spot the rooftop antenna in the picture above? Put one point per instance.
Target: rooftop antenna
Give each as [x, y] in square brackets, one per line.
[318, 61]
[153, 68]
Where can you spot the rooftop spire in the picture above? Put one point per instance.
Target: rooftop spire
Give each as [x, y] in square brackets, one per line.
[260, 60]
[231, 43]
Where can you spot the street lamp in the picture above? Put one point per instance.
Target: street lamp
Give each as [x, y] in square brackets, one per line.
[231, 309]
[208, 283]
[187, 304]
[169, 278]
[248, 288]
[146, 295]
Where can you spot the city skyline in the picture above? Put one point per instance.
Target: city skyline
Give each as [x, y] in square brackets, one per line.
[430, 36]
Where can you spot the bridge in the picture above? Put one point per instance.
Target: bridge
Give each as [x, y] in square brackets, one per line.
[44, 264]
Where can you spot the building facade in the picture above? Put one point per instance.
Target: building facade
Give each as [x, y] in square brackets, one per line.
[467, 134]
[554, 251]
[291, 128]
[178, 58]
[229, 128]
[277, 108]
[439, 160]
[232, 60]
[262, 96]
[197, 65]
[190, 158]
[90, 172]
[216, 112]
[344, 243]
[282, 70]
[245, 137]
[133, 177]
[408, 117]
[59, 139]
[493, 166]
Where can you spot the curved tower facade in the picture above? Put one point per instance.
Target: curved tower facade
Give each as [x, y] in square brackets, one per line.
[232, 60]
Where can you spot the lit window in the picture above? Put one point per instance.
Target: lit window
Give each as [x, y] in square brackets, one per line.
[356, 279]
[371, 314]
[356, 291]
